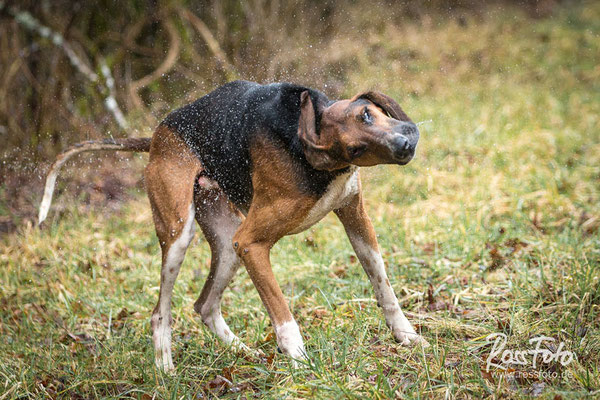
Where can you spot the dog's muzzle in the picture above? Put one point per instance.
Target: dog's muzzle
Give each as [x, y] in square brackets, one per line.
[404, 142]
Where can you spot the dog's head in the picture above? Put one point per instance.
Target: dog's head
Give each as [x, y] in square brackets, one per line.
[366, 130]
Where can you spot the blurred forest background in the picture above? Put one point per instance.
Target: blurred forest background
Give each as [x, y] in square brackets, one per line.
[77, 70]
[494, 227]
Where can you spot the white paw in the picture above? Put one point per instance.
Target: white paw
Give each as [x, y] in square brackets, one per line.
[163, 360]
[409, 338]
[290, 341]
[161, 336]
[240, 346]
[298, 357]
[297, 353]
[246, 351]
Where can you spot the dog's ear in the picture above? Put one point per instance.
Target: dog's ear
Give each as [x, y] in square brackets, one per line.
[386, 103]
[315, 151]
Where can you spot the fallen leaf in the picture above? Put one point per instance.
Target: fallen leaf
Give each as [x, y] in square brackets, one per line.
[228, 372]
[320, 313]
[503, 326]
[498, 259]
[124, 313]
[218, 385]
[339, 271]
[269, 337]
[270, 358]
[241, 387]
[436, 305]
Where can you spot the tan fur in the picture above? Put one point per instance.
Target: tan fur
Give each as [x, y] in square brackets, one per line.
[352, 134]
[169, 177]
[342, 128]
[278, 206]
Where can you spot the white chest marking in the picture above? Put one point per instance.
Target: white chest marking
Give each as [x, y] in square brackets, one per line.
[338, 193]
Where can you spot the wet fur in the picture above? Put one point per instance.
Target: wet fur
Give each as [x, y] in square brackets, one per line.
[252, 163]
[223, 126]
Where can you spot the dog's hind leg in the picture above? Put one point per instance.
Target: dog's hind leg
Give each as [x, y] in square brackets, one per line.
[219, 220]
[170, 177]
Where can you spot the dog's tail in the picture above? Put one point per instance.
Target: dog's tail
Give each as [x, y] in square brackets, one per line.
[134, 144]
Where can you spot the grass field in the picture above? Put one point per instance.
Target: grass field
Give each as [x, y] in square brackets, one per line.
[493, 228]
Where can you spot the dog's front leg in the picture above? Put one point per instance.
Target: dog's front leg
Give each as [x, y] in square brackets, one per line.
[268, 220]
[364, 241]
[255, 255]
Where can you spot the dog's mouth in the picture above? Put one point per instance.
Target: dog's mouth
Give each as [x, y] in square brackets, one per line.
[404, 160]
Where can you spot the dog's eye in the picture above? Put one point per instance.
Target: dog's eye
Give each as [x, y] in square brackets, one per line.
[366, 116]
[356, 151]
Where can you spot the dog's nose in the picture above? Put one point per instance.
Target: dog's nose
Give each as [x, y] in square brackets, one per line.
[401, 143]
[405, 141]
[401, 146]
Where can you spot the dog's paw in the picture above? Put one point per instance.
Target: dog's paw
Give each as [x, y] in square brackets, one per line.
[248, 353]
[296, 352]
[409, 339]
[239, 346]
[298, 358]
[164, 363]
[290, 342]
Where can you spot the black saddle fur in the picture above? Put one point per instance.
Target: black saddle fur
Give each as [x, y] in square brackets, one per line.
[220, 127]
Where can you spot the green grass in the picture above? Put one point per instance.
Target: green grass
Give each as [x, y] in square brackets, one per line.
[494, 227]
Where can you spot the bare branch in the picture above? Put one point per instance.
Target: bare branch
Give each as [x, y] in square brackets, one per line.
[26, 20]
[163, 68]
[168, 62]
[110, 100]
[211, 42]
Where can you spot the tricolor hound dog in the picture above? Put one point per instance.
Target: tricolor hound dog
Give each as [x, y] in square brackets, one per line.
[252, 163]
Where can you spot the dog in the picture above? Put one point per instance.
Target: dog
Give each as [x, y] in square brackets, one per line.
[252, 163]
